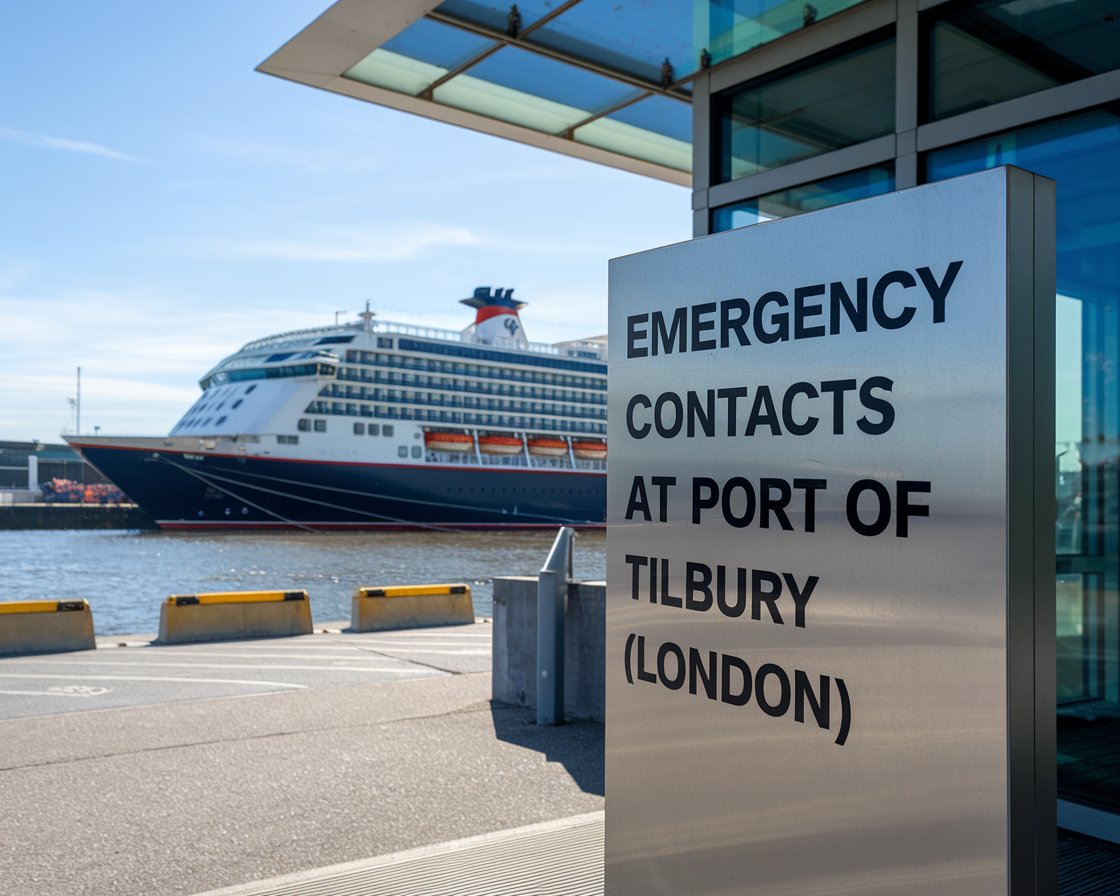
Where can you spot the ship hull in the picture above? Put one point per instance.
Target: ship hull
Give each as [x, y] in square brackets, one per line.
[186, 490]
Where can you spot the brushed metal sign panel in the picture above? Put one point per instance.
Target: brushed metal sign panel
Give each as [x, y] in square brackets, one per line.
[807, 610]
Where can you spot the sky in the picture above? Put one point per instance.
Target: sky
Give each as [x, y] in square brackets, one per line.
[163, 204]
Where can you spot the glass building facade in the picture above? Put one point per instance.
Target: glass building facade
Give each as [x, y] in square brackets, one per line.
[956, 88]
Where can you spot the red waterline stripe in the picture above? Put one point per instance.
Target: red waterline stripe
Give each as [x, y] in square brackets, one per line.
[391, 527]
[462, 468]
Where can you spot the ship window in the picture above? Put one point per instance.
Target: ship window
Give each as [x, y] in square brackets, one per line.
[415, 450]
[304, 425]
[402, 451]
[387, 429]
[374, 429]
[359, 429]
[384, 342]
[287, 440]
[236, 404]
[221, 420]
[320, 426]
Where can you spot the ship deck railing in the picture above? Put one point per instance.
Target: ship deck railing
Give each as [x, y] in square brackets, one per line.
[387, 327]
[516, 461]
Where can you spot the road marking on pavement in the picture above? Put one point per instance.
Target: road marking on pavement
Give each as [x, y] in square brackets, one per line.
[340, 667]
[274, 684]
[428, 651]
[356, 653]
[351, 642]
[80, 690]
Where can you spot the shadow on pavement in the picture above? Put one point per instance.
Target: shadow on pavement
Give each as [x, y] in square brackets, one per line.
[578, 746]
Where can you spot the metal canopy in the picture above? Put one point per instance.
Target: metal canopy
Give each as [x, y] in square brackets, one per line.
[582, 77]
[604, 80]
[607, 81]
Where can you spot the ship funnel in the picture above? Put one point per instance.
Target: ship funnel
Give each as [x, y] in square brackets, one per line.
[496, 318]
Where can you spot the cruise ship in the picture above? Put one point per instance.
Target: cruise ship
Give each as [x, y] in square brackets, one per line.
[375, 425]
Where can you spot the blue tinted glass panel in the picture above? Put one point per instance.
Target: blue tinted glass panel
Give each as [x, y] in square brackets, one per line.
[806, 198]
[441, 45]
[1081, 154]
[835, 103]
[993, 51]
[631, 36]
[495, 15]
[661, 115]
[733, 27]
[548, 79]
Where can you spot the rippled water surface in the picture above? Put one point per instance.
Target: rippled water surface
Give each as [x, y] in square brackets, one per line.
[125, 575]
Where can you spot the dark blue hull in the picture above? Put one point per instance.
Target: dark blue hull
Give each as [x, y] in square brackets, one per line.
[184, 490]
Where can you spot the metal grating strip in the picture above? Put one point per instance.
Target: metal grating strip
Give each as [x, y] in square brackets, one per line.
[556, 858]
[1087, 867]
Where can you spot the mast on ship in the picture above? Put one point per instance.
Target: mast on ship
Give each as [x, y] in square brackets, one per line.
[367, 317]
[496, 320]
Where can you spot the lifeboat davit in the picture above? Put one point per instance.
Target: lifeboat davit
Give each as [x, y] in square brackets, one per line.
[448, 441]
[548, 447]
[590, 450]
[499, 445]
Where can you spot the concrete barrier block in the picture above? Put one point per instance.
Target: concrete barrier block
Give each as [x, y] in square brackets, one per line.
[228, 615]
[514, 657]
[45, 626]
[410, 606]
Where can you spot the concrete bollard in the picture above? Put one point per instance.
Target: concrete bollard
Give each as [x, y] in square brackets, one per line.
[228, 615]
[45, 626]
[410, 606]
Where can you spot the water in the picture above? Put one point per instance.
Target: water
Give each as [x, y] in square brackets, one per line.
[126, 575]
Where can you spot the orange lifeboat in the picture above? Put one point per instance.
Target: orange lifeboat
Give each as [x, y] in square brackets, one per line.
[448, 441]
[548, 447]
[499, 445]
[590, 450]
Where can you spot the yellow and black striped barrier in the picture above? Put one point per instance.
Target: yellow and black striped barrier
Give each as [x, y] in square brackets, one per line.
[410, 606]
[45, 626]
[227, 615]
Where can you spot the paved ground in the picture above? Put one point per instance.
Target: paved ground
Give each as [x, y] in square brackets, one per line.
[130, 672]
[175, 770]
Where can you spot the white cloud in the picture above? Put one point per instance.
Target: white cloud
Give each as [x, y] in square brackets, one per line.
[14, 274]
[67, 144]
[140, 359]
[403, 242]
[315, 162]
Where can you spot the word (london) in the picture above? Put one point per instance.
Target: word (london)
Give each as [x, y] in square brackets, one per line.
[729, 679]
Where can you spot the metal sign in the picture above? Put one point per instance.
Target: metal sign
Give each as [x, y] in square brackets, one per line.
[830, 578]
